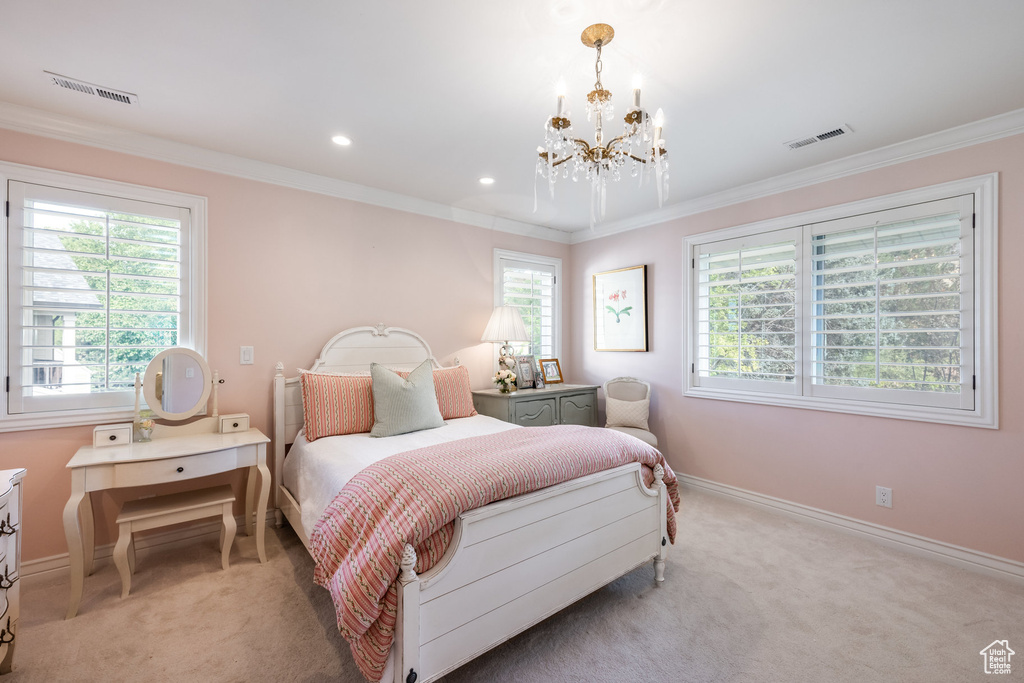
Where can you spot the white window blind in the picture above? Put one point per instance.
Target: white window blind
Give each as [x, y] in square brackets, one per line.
[99, 285]
[885, 306]
[531, 286]
[892, 305]
[746, 313]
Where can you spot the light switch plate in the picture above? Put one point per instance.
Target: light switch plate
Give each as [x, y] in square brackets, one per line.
[246, 355]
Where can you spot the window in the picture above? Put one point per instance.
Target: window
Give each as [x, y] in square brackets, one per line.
[747, 312]
[103, 276]
[883, 307]
[530, 283]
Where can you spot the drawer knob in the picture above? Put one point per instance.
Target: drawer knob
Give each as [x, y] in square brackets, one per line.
[113, 437]
[5, 580]
[6, 529]
[181, 469]
[235, 424]
[6, 634]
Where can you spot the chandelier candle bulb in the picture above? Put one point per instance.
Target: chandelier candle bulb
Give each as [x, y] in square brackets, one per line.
[637, 82]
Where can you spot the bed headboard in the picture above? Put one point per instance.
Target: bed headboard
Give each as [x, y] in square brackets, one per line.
[350, 351]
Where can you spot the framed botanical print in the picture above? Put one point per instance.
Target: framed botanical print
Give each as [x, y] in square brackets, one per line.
[620, 309]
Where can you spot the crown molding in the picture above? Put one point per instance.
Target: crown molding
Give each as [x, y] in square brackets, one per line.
[60, 127]
[974, 133]
[47, 124]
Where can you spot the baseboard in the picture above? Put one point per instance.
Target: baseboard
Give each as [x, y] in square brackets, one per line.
[959, 556]
[172, 538]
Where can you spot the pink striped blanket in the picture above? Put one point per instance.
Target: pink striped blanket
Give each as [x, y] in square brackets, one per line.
[414, 497]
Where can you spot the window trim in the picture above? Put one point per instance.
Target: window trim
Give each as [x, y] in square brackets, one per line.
[556, 313]
[986, 409]
[197, 311]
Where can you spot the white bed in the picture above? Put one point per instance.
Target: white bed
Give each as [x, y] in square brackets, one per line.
[511, 564]
[315, 472]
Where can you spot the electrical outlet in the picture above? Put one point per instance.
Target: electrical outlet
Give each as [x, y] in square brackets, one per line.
[883, 496]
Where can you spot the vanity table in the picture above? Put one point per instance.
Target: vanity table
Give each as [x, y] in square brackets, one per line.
[178, 384]
[164, 459]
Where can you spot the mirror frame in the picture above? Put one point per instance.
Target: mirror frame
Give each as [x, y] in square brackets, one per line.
[149, 384]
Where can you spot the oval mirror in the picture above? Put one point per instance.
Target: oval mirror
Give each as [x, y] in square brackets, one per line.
[177, 384]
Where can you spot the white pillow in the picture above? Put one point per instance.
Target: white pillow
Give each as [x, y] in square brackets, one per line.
[627, 413]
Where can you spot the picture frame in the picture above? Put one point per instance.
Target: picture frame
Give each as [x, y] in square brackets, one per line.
[551, 370]
[620, 309]
[524, 372]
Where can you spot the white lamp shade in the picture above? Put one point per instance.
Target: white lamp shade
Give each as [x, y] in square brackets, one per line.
[504, 326]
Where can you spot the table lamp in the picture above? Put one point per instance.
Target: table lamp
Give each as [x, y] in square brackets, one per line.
[505, 326]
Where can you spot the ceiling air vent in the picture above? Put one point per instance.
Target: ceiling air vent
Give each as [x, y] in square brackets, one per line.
[820, 137]
[92, 89]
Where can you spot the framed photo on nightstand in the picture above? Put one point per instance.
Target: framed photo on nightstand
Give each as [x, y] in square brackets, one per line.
[524, 372]
[551, 370]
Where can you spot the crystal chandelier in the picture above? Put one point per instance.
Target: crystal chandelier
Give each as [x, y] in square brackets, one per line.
[640, 146]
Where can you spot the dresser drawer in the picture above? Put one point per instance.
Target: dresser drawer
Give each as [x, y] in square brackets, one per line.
[578, 409]
[173, 469]
[539, 412]
[8, 540]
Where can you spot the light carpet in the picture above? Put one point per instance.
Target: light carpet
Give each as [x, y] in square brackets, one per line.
[750, 595]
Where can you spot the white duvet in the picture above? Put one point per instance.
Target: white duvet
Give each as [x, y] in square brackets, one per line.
[315, 472]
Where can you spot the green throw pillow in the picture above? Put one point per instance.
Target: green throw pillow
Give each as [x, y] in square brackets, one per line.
[404, 405]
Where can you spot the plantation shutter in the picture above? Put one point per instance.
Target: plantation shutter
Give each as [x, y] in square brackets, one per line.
[98, 286]
[530, 288]
[892, 313]
[747, 322]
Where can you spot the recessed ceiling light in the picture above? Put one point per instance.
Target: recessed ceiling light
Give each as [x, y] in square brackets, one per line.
[486, 181]
[341, 140]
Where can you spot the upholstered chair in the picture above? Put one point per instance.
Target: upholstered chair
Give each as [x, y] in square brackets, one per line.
[627, 407]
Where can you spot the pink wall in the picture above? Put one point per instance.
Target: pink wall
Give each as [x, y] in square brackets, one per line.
[287, 270]
[960, 485]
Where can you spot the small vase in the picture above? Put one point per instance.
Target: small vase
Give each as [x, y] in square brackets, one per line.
[506, 388]
[145, 434]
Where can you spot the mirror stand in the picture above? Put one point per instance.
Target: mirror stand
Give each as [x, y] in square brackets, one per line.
[177, 385]
[203, 425]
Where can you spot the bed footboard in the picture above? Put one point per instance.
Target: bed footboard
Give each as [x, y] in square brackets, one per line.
[515, 562]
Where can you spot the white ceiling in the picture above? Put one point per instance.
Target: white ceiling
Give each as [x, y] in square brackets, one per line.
[436, 94]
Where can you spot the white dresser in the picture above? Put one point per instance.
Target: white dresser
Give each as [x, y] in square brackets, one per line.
[10, 561]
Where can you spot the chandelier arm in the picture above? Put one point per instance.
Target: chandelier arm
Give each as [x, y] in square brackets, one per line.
[615, 141]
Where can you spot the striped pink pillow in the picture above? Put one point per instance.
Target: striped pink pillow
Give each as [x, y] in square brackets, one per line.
[336, 404]
[454, 397]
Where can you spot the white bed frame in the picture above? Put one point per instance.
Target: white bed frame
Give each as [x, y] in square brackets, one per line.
[512, 563]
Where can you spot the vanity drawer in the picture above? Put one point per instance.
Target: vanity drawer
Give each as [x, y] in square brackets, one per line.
[539, 412]
[234, 423]
[112, 435]
[173, 469]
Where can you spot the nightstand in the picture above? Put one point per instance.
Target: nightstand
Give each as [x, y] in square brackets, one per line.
[191, 451]
[557, 404]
